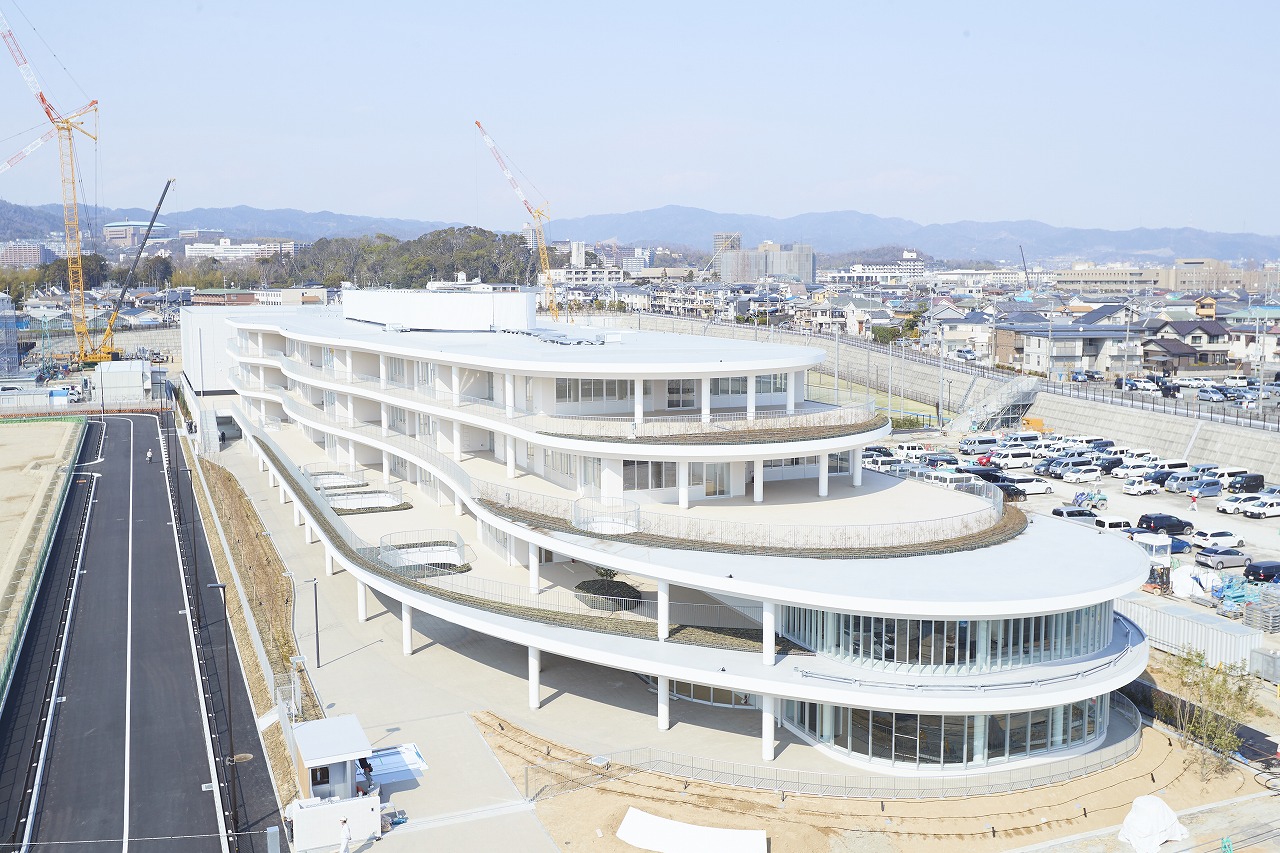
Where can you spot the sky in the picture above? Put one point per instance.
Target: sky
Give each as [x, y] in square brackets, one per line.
[1084, 114]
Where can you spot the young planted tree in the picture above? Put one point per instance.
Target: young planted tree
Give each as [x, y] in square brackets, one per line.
[1205, 705]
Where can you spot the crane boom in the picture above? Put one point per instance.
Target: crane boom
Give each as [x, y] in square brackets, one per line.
[106, 351]
[64, 127]
[31, 146]
[538, 214]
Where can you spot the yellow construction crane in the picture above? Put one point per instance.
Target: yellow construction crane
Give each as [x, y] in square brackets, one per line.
[538, 214]
[65, 127]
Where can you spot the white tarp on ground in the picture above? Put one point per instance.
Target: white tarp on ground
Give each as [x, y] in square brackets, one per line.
[397, 763]
[1188, 580]
[1149, 824]
[650, 832]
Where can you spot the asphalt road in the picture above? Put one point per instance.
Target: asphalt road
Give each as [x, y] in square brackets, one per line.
[128, 755]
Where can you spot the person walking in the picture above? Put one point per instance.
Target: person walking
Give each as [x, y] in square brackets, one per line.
[1193, 504]
[344, 837]
[148, 454]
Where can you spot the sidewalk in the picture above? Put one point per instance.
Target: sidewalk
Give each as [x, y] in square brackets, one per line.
[465, 800]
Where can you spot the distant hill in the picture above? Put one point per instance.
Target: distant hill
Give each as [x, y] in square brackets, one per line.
[239, 222]
[848, 230]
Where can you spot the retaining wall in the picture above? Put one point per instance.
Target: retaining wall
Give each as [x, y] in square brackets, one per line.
[1167, 435]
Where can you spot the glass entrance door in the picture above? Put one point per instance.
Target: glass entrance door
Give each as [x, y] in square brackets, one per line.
[716, 477]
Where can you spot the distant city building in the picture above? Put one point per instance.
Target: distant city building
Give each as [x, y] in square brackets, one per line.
[200, 233]
[529, 236]
[26, 253]
[910, 266]
[224, 296]
[577, 253]
[726, 241]
[587, 275]
[779, 261]
[634, 264]
[293, 296]
[129, 233]
[225, 250]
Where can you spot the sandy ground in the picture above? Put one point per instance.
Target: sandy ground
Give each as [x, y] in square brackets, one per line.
[30, 455]
[798, 823]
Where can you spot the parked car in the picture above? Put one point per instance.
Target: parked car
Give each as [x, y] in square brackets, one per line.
[1030, 485]
[1012, 494]
[1136, 468]
[1210, 395]
[1158, 477]
[966, 355]
[1079, 376]
[1216, 539]
[1083, 474]
[1179, 546]
[1223, 558]
[990, 475]
[1159, 522]
[939, 460]
[1234, 504]
[1206, 488]
[1264, 508]
[876, 450]
[1060, 466]
[1094, 375]
[1109, 463]
[1074, 513]
[1246, 483]
[1263, 571]
[1139, 486]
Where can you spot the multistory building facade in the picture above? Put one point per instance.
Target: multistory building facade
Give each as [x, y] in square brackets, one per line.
[897, 625]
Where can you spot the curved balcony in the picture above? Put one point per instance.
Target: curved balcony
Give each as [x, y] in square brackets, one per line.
[811, 421]
[979, 527]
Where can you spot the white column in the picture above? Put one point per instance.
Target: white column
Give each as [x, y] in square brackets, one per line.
[535, 579]
[511, 457]
[535, 675]
[457, 504]
[457, 441]
[855, 464]
[824, 474]
[769, 644]
[382, 417]
[751, 398]
[706, 399]
[682, 480]
[455, 383]
[766, 727]
[664, 703]
[639, 383]
[759, 475]
[509, 393]
[791, 394]
[282, 495]
[406, 628]
[297, 516]
[328, 560]
[386, 467]
[382, 371]
[362, 603]
[664, 610]
[310, 534]
[828, 731]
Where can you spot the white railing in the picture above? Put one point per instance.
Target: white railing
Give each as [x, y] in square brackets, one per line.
[809, 414]
[559, 777]
[678, 527]
[606, 515]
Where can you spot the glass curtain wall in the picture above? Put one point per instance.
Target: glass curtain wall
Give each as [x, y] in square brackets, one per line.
[950, 646]
[948, 740]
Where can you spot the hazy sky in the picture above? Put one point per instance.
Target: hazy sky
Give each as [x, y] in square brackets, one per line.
[1109, 114]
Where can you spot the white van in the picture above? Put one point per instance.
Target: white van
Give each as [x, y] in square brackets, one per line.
[73, 392]
[1236, 380]
[911, 451]
[1112, 522]
[1171, 465]
[1227, 472]
[1182, 481]
[1013, 457]
[976, 445]
[950, 479]
[1021, 437]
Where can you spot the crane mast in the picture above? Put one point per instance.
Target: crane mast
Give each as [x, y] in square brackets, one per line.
[65, 127]
[538, 214]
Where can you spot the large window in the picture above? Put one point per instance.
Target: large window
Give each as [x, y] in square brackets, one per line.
[593, 390]
[950, 740]
[950, 645]
[640, 475]
[771, 383]
[722, 386]
[682, 393]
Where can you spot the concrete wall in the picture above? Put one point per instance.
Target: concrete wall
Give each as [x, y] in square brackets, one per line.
[1166, 435]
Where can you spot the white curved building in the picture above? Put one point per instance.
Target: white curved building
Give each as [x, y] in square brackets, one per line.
[900, 626]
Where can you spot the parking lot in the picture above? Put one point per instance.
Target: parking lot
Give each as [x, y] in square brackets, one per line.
[1261, 536]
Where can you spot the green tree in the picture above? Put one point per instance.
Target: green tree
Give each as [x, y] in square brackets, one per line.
[1206, 705]
[884, 334]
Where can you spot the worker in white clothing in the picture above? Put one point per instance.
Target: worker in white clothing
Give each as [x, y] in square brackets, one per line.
[344, 837]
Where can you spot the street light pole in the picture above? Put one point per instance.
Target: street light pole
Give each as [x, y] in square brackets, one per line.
[226, 701]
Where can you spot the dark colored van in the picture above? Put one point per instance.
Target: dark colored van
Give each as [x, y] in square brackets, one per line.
[1245, 483]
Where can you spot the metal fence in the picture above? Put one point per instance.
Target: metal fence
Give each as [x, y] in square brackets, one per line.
[1262, 418]
[560, 777]
[28, 568]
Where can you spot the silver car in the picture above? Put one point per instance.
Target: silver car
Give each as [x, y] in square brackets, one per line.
[1223, 558]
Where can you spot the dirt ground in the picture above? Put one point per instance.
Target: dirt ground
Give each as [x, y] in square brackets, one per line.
[802, 824]
[30, 455]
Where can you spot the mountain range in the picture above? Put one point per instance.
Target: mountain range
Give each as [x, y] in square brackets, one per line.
[673, 225]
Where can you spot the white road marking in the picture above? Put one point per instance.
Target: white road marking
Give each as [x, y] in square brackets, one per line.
[128, 667]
